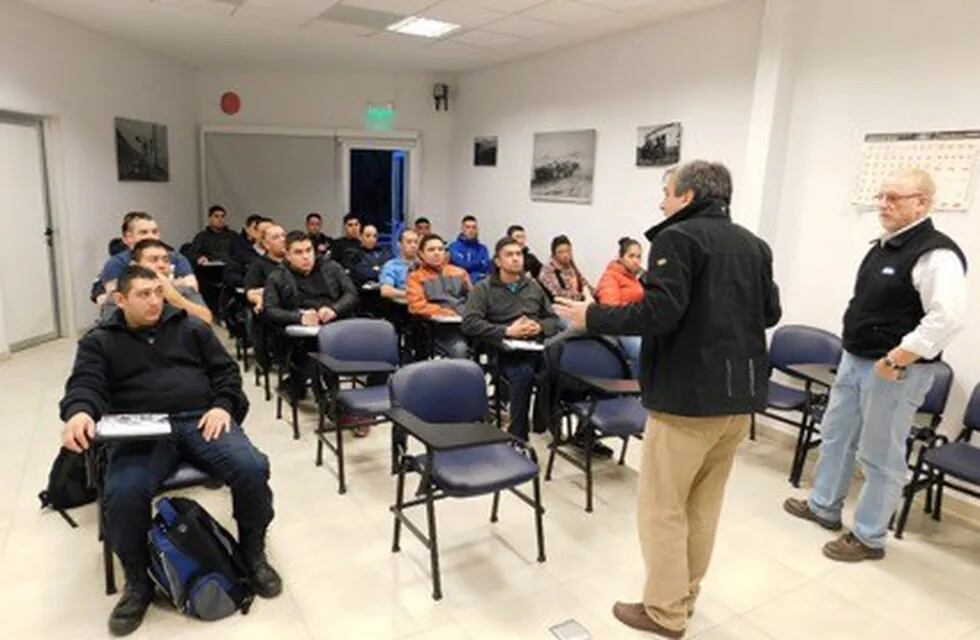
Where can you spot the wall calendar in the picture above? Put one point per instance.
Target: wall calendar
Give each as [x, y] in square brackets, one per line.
[951, 157]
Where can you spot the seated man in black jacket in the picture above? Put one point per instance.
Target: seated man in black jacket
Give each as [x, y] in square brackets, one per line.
[153, 358]
[310, 291]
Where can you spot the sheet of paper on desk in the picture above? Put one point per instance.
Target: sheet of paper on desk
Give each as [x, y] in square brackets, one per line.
[127, 425]
[302, 331]
[447, 319]
[523, 345]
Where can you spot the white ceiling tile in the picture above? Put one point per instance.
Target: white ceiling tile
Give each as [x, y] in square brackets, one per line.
[520, 26]
[623, 5]
[203, 6]
[485, 39]
[566, 12]
[295, 16]
[505, 6]
[338, 28]
[462, 14]
[403, 7]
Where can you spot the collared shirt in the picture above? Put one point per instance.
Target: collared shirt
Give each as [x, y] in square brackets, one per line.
[939, 278]
[394, 273]
[116, 265]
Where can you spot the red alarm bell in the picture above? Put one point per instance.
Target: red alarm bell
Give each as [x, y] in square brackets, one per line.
[231, 103]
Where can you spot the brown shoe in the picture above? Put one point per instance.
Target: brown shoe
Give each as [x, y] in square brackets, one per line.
[634, 615]
[801, 509]
[848, 548]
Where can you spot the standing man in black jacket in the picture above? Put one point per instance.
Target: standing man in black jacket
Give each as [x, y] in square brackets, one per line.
[709, 297]
[153, 358]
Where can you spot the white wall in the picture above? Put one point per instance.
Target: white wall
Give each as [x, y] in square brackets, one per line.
[871, 66]
[82, 80]
[697, 69]
[340, 100]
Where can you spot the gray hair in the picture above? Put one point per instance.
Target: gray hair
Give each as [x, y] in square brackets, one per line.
[705, 179]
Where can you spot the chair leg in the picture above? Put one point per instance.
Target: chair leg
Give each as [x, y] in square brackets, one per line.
[937, 512]
[928, 505]
[589, 438]
[341, 479]
[909, 491]
[258, 376]
[399, 500]
[752, 428]
[430, 511]
[622, 454]
[552, 452]
[245, 357]
[496, 506]
[539, 518]
[109, 567]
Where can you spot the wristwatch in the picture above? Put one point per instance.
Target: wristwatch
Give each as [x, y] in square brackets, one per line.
[891, 364]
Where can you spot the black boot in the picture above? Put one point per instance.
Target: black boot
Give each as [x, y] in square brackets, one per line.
[127, 615]
[265, 579]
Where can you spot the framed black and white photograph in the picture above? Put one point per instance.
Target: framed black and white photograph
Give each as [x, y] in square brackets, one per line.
[485, 151]
[141, 151]
[658, 146]
[563, 166]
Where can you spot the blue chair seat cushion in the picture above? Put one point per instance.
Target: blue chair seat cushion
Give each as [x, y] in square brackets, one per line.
[623, 416]
[480, 470]
[186, 475]
[786, 398]
[365, 401]
[958, 459]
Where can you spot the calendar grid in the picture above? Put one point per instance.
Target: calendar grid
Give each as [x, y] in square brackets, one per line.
[951, 157]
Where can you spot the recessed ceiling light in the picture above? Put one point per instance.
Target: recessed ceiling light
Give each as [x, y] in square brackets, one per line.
[423, 27]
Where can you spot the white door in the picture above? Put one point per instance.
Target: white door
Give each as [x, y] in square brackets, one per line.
[27, 301]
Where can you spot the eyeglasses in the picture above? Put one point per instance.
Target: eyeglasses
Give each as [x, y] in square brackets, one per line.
[893, 198]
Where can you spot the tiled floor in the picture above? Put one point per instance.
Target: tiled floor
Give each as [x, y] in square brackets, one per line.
[768, 578]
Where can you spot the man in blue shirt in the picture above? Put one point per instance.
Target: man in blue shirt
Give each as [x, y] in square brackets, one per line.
[138, 225]
[395, 271]
[467, 252]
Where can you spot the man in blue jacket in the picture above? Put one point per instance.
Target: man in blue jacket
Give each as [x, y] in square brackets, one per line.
[467, 252]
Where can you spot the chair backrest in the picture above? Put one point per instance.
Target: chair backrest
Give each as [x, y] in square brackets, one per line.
[449, 390]
[942, 382]
[971, 420]
[593, 356]
[360, 339]
[800, 344]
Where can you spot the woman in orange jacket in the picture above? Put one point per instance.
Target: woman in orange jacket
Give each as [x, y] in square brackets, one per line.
[619, 286]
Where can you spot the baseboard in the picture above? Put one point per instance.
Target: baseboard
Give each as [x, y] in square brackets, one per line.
[957, 504]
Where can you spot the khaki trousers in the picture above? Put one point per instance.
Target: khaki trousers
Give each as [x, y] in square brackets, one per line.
[685, 466]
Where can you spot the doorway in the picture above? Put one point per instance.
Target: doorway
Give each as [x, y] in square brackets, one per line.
[28, 288]
[377, 189]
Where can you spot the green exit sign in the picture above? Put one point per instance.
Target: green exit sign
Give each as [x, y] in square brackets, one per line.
[380, 116]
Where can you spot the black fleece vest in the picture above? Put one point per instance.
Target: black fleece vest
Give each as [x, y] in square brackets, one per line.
[886, 306]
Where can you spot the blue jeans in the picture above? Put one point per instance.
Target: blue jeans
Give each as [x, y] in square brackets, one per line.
[867, 418]
[137, 469]
[518, 369]
[631, 348]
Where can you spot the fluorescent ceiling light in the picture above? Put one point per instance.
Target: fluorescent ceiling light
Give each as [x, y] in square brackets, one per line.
[423, 27]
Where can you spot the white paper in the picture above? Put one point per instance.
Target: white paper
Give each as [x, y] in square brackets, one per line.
[447, 319]
[523, 345]
[302, 331]
[127, 425]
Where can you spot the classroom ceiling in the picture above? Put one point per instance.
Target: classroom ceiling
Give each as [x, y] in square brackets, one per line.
[350, 35]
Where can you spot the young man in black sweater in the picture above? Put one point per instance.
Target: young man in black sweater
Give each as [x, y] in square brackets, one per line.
[306, 290]
[153, 358]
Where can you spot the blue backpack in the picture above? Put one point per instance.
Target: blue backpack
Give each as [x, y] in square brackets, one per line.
[196, 563]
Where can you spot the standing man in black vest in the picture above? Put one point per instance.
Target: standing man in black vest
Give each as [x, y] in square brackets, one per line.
[909, 301]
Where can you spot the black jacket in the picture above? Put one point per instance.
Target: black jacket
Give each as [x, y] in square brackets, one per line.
[281, 297]
[709, 296]
[182, 367]
[216, 245]
[243, 254]
[531, 263]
